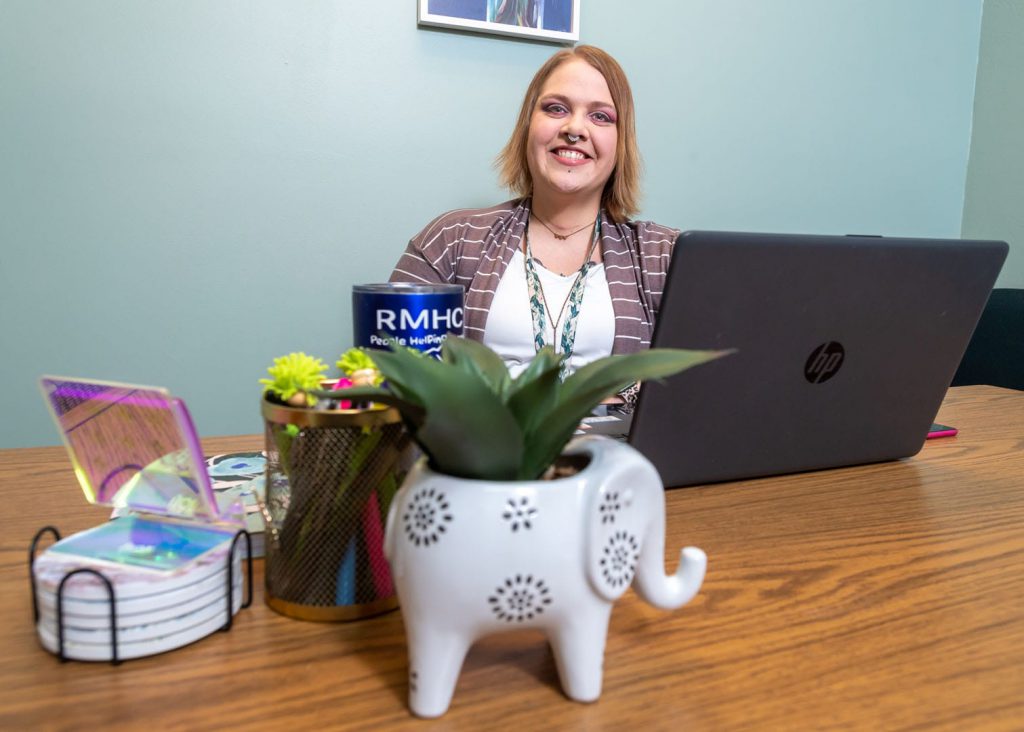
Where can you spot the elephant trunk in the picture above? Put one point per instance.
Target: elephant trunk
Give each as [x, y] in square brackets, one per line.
[626, 514]
[672, 591]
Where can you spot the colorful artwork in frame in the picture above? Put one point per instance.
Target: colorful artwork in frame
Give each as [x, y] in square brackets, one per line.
[544, 20]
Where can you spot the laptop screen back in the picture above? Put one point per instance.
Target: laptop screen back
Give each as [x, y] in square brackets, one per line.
[846, 346]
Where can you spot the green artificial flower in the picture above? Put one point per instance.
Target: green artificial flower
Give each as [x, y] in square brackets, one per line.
[293, 374]
[357, 359]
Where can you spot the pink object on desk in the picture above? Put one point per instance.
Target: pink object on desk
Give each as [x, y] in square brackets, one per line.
[373, 533]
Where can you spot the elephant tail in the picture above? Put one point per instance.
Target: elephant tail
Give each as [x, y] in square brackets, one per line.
[672, 591]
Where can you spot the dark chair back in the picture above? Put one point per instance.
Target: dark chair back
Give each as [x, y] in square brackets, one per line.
[995, 354]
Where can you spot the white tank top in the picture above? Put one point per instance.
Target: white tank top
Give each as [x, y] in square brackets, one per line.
[509, 329]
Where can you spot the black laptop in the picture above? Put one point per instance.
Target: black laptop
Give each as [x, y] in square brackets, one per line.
[846, 346]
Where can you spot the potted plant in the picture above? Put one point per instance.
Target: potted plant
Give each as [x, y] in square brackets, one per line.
[502, 525]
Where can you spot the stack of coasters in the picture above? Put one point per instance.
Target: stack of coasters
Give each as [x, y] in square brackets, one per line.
[165, 561]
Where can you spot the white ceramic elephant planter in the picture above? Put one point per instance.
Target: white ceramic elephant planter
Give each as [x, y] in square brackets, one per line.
[470, 558]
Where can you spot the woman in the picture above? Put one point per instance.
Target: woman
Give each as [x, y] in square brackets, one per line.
[563, 265]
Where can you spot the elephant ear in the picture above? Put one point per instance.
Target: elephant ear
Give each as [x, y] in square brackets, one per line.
[617, 516]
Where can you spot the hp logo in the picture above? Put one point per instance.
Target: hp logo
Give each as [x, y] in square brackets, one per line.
[824, 362]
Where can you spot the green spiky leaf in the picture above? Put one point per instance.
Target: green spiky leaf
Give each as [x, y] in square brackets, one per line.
[538, 387]
[473, 357]
[583, 390]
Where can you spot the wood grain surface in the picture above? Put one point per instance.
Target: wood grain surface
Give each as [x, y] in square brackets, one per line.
[888, 596]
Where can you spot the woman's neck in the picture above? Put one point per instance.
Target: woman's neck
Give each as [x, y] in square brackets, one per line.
[567, 214]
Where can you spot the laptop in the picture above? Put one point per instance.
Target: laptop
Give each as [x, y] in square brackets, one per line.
[845, 348]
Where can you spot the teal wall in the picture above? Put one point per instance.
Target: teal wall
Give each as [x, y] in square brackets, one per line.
[994, 200]
[189, 189]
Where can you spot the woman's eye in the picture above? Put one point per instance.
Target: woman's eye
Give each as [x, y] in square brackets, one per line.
[555, 109]
[603, 118]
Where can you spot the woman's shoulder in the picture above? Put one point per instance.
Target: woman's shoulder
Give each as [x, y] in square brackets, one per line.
[646, 235]
[649, 233]
[459, 222]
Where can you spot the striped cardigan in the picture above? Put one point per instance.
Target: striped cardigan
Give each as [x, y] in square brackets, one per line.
[472, 248]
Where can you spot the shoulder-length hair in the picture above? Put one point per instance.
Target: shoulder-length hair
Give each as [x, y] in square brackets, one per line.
[621, 195]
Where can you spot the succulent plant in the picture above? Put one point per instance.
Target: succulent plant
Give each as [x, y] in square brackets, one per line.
[473, 420]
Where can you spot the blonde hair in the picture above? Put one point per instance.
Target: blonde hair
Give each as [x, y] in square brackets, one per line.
[621, 194]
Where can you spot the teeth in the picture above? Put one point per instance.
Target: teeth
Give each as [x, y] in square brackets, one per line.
[571, 154]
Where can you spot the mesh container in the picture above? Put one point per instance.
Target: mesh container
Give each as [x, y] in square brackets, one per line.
[331, 476]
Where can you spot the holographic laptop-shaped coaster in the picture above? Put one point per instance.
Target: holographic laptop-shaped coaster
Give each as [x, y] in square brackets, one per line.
[160, 572]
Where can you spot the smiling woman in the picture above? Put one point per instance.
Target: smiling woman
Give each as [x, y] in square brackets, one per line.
[572, 130]
[562, 264]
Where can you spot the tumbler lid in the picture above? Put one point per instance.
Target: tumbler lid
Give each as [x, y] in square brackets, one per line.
[411, 288]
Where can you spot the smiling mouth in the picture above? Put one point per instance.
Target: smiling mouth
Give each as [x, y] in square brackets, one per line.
[569, 156]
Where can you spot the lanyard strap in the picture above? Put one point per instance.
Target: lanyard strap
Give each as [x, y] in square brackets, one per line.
[570, 309]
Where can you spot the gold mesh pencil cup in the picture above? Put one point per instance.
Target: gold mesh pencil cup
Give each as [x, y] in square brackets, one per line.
[331, 476]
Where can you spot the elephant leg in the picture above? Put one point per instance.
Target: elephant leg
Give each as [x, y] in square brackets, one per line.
[578, 645]
[435, 659]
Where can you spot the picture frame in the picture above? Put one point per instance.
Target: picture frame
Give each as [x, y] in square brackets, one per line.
[542, 20]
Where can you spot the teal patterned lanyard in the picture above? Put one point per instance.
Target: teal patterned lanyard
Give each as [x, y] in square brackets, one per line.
[570, 309]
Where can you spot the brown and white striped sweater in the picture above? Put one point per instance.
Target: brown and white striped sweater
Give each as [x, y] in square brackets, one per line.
[472, 248]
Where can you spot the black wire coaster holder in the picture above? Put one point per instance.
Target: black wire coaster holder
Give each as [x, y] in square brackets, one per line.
[114, 660]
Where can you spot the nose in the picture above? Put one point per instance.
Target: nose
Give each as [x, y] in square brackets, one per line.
[575, 127]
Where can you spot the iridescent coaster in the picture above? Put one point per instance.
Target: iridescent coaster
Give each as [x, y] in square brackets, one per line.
[158, 573]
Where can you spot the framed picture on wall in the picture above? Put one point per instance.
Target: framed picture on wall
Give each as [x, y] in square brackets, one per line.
[545, 20]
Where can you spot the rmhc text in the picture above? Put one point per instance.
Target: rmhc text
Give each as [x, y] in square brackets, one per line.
[431, 319]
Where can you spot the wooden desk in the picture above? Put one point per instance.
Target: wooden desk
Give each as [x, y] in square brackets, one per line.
[881, 597]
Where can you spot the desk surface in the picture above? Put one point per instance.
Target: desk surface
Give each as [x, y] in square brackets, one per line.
[884, 596]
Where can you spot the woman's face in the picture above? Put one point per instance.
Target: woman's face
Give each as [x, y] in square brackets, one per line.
[575, 101]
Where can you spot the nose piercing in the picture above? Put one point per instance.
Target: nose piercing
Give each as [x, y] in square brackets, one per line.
[573, 139]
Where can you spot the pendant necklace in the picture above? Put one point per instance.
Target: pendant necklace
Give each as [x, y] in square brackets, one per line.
[556, 234]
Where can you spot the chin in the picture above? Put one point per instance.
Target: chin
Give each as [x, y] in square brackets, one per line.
[565, 182]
